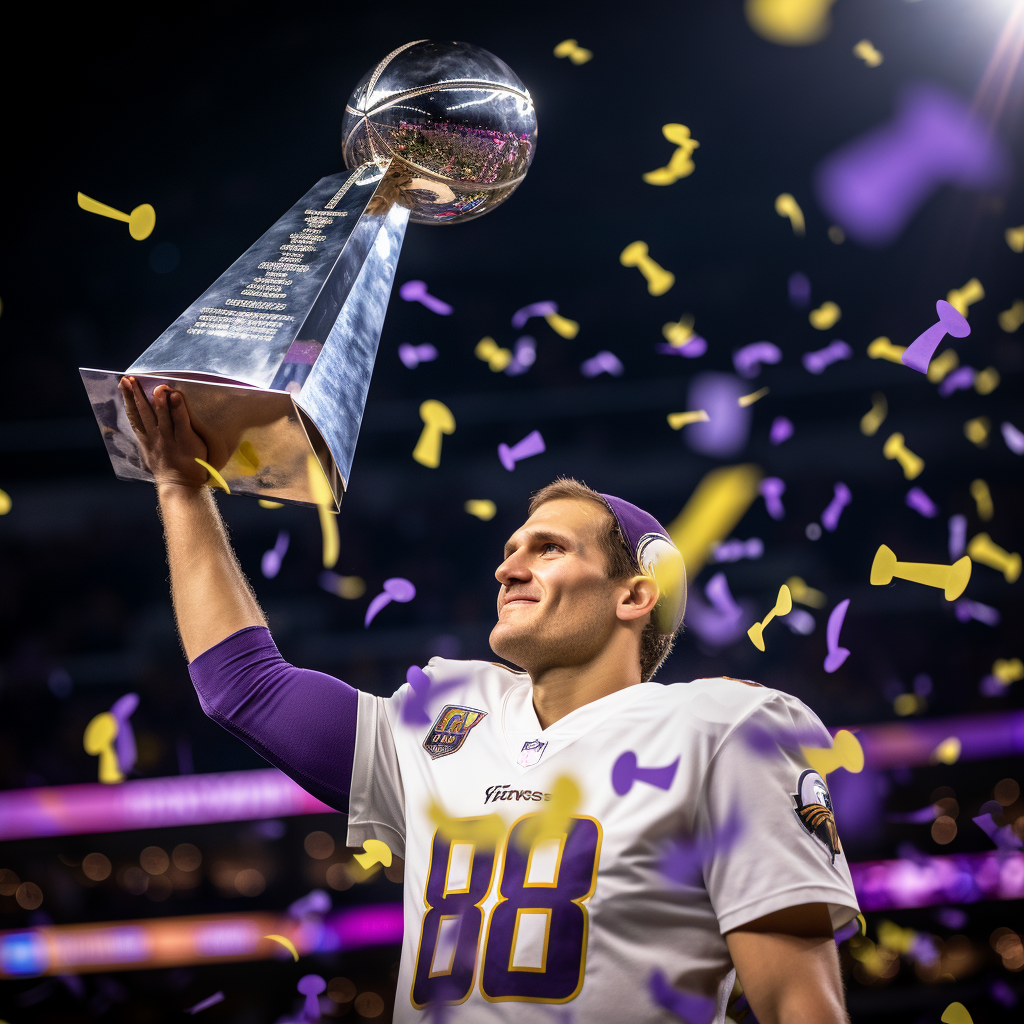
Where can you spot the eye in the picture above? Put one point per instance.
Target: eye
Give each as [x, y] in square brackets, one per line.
[549, 546]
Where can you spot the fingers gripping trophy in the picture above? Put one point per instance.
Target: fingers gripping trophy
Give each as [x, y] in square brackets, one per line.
[271, 365]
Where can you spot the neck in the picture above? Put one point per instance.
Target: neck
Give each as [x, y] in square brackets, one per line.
[559, 690]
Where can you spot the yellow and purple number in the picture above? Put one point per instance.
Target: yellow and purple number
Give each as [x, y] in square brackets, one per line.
[535, 944]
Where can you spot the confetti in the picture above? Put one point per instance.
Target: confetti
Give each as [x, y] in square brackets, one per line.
[217, 997]
[320, 489]
[680, 164]
[315, 903]
[958, 380]
[977, 430]
[789, 22]
[218, 480]
[895, 448]
[286, 942]
[5, 503]
[986, 381]
[735, 550]
[799, 621]
[377, 852]
[571, 49]
[799, 289]
[825, 316]
[818, 361]
[416, 291]
[524, 355]
[553, 821]
[678, 420]
[747, 360]
[780, 430]
[836, 655]
[603, 362]
[942, 365]
[658, 279]
[804, 594]
[626, 771]
[952, 579]
[263, 503]
[772, 489]
[947, 752]
[755, 396]
[351, 588]
[1013, 437]
[482, 508]
[680, 332]
[1015, 238]
[966, 610]
[413, 355]
[122, 709]
[883, 348]
[395, 589]
[532, 444]
[985, 550]
[787, 206]
[1011, 319]
[520, 316]
[1003, 837]
[414, 707]
[845, 752]
[1008, 670]
[841, 497]
[98, 741]
[270, 564]
[437, 420]
[496, 358]
[783, 606]
[875, 416]
[311, 985]
[140, 221]
[562, 325]
[689, 1007]
[867, 53]
[920, 502]
[982, 499]
[485, 832]
[961, 298]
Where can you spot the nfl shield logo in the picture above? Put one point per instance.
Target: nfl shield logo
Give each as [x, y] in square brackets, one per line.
[532, 752]
[450, 730]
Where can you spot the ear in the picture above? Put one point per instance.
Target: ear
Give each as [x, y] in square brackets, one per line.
[637, 598]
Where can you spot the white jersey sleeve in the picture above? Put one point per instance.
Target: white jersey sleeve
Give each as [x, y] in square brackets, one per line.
[786, 849]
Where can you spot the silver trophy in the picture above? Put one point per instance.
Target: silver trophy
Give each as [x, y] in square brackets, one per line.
[275, 358]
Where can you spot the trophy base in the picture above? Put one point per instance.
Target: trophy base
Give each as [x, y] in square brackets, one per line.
[259, 439]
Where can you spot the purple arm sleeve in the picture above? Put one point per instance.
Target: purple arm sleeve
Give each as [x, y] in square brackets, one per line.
[303, 722]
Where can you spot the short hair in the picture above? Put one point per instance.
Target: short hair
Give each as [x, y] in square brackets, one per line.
[655, 646]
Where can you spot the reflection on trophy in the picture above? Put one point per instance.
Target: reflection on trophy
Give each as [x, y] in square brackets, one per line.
[274, 359]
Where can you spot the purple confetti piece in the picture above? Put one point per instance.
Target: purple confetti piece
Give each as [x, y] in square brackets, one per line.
[532, 444]
[313, 904]
[847, 931]
[603, 362]
[764, 740]
[772, 489]
[800, 621]
[270, 564]
[748, 359]
[520, 316]
[694, 347]
[416, 291]
[781, 430]
[965, 610]
[820, 360]
[734, 550]
[836, 654]
[122, 709]
[918, 354]
[799, 287]
[961, 379]
[919, 817]
[626, 771]
[217, 997]
[524, 355]
[1013, 437]
[413, 355]
[841, 498]
[957, 536]
[693, 1009]
[717, 592]
[311, 985]
[414, 708]
[395, 589]
[872, 185]
[920, 502]
[1003, 837]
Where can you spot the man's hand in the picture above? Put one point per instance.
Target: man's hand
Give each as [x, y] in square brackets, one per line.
[789, 968]
[167, 439]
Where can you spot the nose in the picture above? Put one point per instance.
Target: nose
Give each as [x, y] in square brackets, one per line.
[513, 570]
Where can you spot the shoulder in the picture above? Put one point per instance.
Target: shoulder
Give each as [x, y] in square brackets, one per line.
[481, 684]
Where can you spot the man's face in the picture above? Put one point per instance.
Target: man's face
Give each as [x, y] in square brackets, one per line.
[556, 605]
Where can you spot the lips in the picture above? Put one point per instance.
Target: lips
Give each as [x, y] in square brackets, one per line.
[510, 601]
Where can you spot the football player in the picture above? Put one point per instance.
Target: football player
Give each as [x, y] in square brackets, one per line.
[575, 835]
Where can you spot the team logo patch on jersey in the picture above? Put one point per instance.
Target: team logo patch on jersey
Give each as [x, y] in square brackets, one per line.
[532, 752]
[450, 729]
[814, 809]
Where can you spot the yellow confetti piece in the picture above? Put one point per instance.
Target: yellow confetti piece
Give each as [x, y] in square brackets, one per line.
[907, 704]
[1010, 319]
[1008, 670]
[875, 416]
[986, 381]
[783, 606]
[982, 499]
[377, 852]
[5, 503]
[961, 298]
[787, 206]
[755, 396]
[942, 366]
[883, 348]
[486, 831]
[437, 420]
[977, 430]
[553, 821]
[287, 943]
[324, 498]
[982, 548]
[678, 420]
[659, 280]
[845, 752]
[482, 508]
[836, 235]
[867, 53]
[571, 49]
[263, 503]
[218, 480]
[947, 752]
[680, 164]
[956, 1013]
[496, 358]
[140, 221]
[804, 594]
[825, 316]
[1015, 238]
[98, 741]
[563, 325]
[680, 333]
[789, 22]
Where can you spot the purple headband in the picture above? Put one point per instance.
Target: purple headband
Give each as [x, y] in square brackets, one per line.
[657, 556]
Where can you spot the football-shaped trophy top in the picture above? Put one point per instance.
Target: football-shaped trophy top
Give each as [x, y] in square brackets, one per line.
[454, 123]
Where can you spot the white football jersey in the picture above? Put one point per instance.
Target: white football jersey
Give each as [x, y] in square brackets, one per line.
[572, 928]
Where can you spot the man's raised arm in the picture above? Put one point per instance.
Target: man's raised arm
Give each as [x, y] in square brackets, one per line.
[212, 598]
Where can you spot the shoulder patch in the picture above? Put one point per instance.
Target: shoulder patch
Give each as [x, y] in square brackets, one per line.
[450, 729]
[814, 809]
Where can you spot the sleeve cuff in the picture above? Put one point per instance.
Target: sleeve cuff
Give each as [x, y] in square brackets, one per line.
[842, 907]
